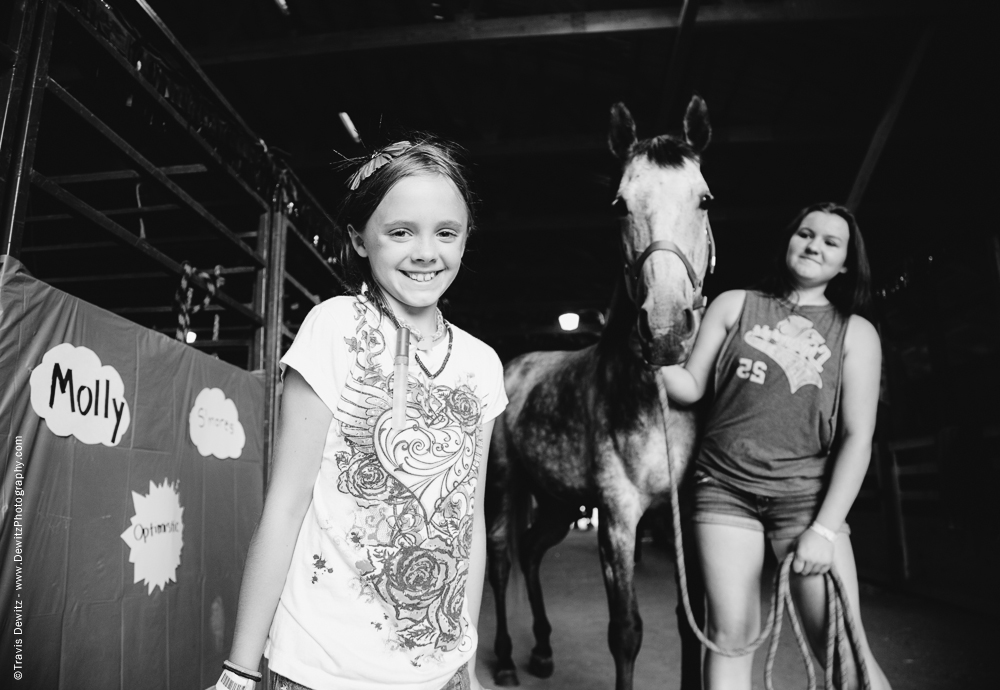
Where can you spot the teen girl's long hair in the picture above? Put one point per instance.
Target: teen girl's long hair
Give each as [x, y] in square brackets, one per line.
[849, 292]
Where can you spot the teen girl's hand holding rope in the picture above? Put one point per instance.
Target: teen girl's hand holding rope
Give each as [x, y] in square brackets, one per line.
[814, 549]
[367, 566]
[787, 442]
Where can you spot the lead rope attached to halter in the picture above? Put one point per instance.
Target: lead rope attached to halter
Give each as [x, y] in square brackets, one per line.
[840, 624]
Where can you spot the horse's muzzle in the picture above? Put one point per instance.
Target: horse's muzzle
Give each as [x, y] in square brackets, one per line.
[668, 346]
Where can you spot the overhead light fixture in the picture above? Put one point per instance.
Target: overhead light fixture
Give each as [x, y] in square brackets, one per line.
[569, 321]
[191, 337]
[283, 6]
[352, 131]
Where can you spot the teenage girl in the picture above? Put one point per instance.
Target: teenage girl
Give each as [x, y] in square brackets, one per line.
[366, 568]
[792, 365]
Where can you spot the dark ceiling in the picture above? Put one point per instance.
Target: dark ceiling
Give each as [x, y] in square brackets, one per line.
[796, 92]
[887, 103]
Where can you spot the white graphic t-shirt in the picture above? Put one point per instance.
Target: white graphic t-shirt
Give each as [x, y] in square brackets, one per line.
[375, 593]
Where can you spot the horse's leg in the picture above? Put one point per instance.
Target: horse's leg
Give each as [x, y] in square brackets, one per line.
[499, 573]
[549, 528]
[498, 535]
[691, 661]
[639, 529]
[692, 664]
[617, 541]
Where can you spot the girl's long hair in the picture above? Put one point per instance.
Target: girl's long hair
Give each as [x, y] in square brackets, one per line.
[849, 292]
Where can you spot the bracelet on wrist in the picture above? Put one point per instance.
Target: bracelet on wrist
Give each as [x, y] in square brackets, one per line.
[247, 673]
[230, 681]
[824, 532]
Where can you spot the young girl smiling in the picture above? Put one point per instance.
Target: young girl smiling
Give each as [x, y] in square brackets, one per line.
[367, 566]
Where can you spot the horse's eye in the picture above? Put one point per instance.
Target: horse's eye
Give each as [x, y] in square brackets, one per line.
[706, 202]
[620, 207]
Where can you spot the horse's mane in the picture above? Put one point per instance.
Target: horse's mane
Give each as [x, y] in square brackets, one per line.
[625, 387]
[665, 150]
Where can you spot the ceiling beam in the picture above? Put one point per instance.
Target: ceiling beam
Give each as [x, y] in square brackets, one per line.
[111, 175]
[678, 63]
[551, 25]
[885, 126]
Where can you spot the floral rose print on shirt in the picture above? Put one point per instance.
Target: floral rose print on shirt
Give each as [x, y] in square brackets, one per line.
[415, 493]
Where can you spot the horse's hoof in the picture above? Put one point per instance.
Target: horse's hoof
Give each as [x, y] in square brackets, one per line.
[506, 678]
[540, 666]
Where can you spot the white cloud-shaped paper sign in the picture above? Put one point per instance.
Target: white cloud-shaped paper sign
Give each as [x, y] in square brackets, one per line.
[215, 425]
[77, 396]
[156, 535]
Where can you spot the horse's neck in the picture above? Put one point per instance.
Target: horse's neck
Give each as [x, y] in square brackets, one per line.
[616, 338]
[625, 386]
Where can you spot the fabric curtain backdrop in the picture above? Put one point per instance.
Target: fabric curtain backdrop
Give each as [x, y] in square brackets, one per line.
[132, 482]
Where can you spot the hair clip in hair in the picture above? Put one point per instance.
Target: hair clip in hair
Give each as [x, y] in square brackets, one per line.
[377, 160]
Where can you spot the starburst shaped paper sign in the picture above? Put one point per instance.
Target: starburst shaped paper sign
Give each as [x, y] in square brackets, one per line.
[156, 535]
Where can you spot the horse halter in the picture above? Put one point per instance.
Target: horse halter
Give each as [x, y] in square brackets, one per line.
[633, 271]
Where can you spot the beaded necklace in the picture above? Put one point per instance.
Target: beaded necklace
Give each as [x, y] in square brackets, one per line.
[420, 336]
[442, 327]
[447, 356]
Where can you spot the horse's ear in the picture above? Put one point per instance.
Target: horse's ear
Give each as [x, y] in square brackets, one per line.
[697, 130]
[621, 136]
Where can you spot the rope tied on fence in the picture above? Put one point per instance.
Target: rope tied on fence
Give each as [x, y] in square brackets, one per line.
[841, 630]
[185, 295]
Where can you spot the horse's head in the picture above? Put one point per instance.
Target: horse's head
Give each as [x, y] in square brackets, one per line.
[666, 236]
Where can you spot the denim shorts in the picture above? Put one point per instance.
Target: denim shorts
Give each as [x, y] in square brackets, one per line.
[778, 517]
[460, 681]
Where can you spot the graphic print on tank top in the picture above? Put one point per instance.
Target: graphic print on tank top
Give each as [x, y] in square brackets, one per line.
[796, 346]
[415, 496]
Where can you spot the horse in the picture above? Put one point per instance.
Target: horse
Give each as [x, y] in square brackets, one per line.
[587, 427]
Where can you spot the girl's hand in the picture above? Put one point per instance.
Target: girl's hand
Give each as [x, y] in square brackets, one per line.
[813, 554]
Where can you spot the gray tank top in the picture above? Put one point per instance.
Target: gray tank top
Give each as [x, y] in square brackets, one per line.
[777, 383]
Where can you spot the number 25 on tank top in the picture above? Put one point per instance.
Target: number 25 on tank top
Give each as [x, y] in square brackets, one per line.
[749, 369]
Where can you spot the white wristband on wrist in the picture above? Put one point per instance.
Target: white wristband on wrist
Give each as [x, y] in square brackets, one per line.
[824, 532]
[230, 681]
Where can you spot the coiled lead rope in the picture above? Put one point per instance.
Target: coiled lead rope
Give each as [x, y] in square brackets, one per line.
[841, 630]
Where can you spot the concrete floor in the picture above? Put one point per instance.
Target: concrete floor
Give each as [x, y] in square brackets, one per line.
[920, 644]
